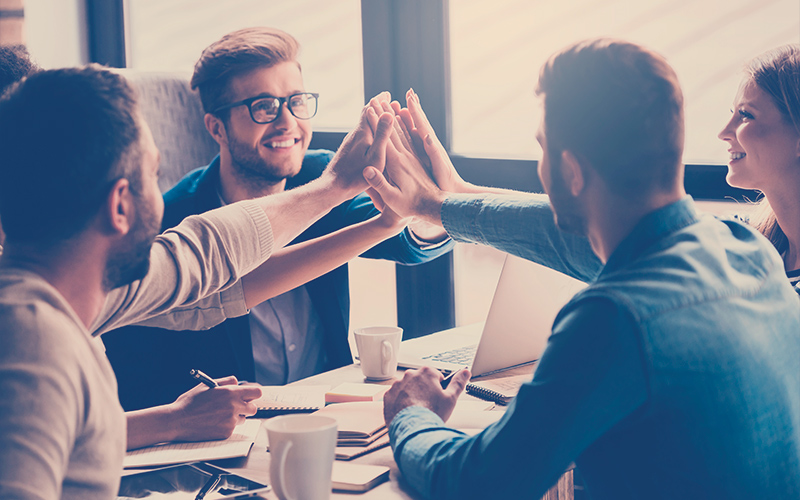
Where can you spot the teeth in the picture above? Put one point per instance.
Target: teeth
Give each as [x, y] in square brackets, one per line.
[738, 156]
[282, 144]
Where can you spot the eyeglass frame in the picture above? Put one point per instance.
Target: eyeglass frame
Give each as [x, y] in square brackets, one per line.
[281, 100]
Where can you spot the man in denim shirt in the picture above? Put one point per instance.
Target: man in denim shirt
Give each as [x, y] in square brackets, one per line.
[676, 373]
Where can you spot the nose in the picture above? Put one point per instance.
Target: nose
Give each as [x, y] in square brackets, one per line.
[285, 119]
[726, 134]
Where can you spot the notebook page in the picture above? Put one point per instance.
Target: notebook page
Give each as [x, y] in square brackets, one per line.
[238, 445]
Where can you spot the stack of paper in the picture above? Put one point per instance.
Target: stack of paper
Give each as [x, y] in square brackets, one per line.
[280, 400]
[361, 427]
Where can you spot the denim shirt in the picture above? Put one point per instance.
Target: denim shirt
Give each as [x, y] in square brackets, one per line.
[675, 374]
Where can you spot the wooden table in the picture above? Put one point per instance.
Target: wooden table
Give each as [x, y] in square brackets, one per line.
[256, 465]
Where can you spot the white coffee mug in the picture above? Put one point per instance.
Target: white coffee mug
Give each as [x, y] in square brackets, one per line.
[302, 449]
[377, 349]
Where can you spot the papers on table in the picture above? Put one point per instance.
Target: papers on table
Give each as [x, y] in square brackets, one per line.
[238, 445]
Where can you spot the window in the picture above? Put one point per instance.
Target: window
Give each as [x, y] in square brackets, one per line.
[169, 35]
[498, 47]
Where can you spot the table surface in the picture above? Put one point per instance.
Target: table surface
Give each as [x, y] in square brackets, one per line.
[256, 465]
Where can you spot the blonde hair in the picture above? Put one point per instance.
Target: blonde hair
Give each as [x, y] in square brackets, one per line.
[237, 53]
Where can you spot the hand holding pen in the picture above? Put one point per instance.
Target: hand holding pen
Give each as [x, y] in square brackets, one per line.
[202, 377]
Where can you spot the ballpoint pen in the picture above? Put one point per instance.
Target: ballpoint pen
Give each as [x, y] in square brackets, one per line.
[446, 381]
[202, 377]
[212, 483]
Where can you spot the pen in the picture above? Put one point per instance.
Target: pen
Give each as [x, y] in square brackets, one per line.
[446, 381]
[212, 482]
[202, 377]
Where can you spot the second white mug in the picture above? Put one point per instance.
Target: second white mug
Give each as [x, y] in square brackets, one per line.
[378, 347]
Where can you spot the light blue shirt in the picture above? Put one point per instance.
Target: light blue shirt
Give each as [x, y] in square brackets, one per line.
[287, 336]
[675, 374]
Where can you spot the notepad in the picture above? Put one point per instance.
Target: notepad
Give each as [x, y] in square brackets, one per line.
[280, 400]
[238, 445]
[349, 391]
[500, 390]
[357, 420]
[352, 452]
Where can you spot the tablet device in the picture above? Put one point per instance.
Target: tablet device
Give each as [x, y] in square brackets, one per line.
[357, 477]
[193, 481]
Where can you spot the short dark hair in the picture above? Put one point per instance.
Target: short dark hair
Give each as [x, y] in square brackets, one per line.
[15, 64]
[66, 136]
[619, 107]
[237, 53]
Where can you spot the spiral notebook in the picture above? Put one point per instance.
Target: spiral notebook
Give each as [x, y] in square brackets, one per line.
[499, 390]
[281, 400]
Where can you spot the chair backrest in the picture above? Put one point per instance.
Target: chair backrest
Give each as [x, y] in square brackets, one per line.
[175, 116]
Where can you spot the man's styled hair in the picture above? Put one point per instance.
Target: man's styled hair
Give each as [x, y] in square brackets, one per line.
[237, 53]
[66, 136]
[619, 107]
[15, 64]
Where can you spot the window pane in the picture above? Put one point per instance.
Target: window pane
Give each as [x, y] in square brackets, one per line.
[498, 47]
[168, 35]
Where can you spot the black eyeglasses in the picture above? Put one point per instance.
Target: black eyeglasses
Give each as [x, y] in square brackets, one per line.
[266, 109]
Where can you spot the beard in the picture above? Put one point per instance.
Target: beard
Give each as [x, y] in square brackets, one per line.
[566, 208]
[131, 259]
[252, 169]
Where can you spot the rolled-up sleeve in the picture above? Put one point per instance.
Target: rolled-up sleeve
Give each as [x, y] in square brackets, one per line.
[523, 225]
[194, 270]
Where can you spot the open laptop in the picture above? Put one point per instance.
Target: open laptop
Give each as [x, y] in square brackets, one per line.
[525, 304]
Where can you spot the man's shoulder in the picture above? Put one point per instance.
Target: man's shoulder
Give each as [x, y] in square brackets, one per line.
[195, 193]
[35, 322]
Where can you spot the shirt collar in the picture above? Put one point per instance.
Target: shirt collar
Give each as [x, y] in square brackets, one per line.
[652, 228]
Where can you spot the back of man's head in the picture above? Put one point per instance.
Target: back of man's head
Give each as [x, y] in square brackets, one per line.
[15, 64]
[237, 53]
[619, 108]
[65, 136]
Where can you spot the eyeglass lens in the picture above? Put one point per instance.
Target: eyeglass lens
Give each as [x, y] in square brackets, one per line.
[303, 106]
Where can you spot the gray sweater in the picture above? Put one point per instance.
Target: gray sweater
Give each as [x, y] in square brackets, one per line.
[62, 430]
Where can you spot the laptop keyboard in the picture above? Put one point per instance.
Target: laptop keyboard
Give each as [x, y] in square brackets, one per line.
[462, 355]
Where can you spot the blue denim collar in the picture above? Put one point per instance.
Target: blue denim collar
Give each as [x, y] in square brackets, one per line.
[652, 228]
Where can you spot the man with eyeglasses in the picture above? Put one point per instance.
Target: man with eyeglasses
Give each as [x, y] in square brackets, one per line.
[258, 111]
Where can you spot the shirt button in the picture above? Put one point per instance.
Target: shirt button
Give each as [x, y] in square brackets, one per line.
[292, 347]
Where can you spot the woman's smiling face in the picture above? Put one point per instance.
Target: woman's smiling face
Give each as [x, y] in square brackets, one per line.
[764, 148]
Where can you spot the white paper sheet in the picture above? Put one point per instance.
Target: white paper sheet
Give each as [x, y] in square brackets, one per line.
[238, 445]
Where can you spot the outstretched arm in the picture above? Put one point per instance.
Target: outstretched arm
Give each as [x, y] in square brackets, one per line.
[200, 414]
[298, 264]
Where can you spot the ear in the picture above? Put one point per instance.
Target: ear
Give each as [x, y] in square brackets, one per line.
[572, 171]
[216, 128]
[119, 208]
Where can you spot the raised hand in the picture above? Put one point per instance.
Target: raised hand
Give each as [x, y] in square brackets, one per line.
[427, 145]
[364, 146]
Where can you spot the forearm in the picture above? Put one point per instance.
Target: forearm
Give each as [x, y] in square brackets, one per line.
[293, 211]
[520, 224]
[150, 426]
[301, 263]
[202, 256]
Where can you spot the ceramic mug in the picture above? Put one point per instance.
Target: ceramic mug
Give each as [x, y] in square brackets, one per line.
[378, 347]
[302, 449]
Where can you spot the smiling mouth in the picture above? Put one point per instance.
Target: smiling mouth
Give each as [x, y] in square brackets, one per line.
[281, 144]
[738, 156]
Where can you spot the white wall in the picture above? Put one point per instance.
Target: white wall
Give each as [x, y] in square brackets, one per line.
[55, 32]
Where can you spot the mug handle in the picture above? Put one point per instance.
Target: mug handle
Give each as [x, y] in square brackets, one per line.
[386, 357]
[282, 470]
